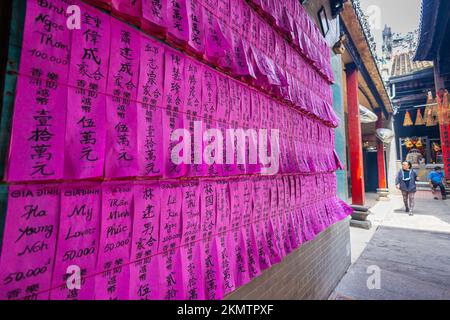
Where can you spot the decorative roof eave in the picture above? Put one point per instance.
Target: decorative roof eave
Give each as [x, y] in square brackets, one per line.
[416, 75]
[354, 29]
[428, 22]
[434, 26]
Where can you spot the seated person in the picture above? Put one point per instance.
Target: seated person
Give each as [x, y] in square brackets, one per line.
[437, 181]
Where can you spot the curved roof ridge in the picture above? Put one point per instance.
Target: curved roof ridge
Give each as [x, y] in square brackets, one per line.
[428, 19]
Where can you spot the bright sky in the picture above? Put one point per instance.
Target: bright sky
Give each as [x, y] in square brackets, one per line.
[401, 15]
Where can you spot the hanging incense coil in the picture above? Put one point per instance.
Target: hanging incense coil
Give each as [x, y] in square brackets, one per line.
[446, 108]
[440, 109]
[419, 118]
[407, 122]
[435, 113]
[431, 116]
[427, 115]
[430, 120]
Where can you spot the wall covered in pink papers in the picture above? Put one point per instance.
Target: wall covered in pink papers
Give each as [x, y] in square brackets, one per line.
[92, 184]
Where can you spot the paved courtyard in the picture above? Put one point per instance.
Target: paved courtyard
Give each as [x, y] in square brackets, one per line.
[412, 254]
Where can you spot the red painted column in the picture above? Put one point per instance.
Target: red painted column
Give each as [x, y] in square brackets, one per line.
[354, 137]
[382, 183]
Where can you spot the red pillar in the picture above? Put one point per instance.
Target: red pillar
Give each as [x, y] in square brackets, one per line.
[354, 137]
[444, 128]
[382, 184]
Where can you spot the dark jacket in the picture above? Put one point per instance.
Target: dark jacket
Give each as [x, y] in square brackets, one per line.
[412, 183]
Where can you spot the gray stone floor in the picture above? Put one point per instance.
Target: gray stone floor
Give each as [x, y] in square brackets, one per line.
[412, 254]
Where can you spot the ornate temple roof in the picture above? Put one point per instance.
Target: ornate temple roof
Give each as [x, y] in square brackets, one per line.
[403, 64]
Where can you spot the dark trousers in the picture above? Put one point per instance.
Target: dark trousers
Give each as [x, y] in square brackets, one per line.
[441, 186]
[408, 199]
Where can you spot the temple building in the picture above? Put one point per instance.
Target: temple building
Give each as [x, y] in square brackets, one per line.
[412, 89]
[434, 45]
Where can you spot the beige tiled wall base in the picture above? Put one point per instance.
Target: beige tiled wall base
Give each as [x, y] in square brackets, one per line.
[310, 272]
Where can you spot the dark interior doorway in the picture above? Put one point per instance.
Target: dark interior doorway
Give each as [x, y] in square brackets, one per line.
[370, 171]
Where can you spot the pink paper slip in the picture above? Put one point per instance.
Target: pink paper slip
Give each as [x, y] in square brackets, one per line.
[113, 264]
[193, 120]
[223, 230]
[172, 118]
[144, 271]
[246, 229]
[84, 153]
[149, 108]
[29, 244]
[210, 262]
[190, 251]
[154, 16]
[78, 241]
[170, 273]
[236, 243]
[38, 126]
[121, 107]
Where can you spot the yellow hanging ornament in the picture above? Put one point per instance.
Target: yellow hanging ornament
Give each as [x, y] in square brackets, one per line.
[408, 143]
[419, 143]
[419, 118]
[407, 122]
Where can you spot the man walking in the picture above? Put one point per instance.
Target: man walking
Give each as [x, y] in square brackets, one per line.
[406, 182]
[437, 181]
